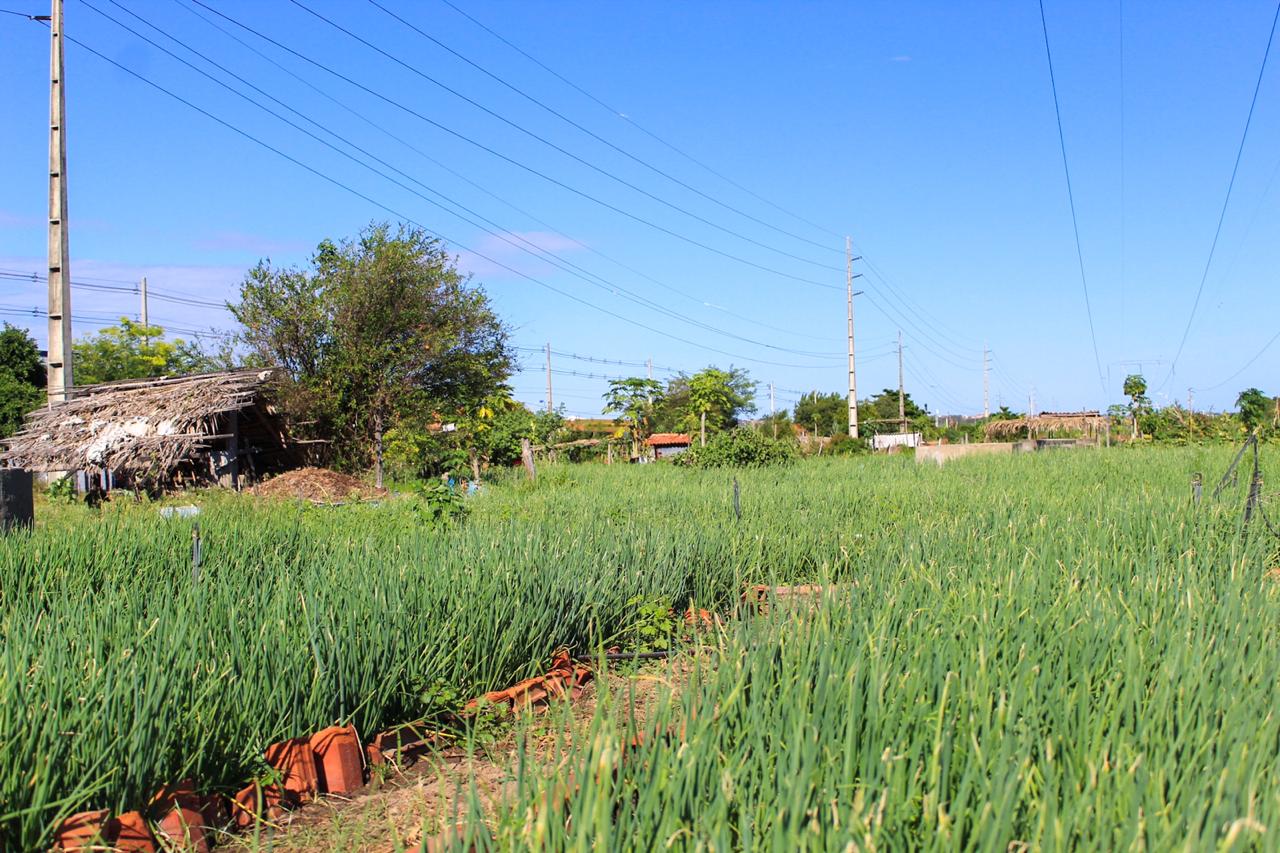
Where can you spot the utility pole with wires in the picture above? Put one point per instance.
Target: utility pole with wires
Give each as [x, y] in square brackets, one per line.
[986, 381]
[902, 410]
[59, 358]
[773, 411]
[1031, 403]
[853, 371]
[649, 365]
[550, 401]
[146, 339]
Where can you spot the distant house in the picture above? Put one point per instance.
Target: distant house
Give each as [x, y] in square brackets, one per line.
[664, 444]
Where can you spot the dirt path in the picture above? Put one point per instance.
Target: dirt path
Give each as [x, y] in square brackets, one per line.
[407, 806]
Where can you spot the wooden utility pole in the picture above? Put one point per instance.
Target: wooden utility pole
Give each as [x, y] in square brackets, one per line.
[59, 358]
[550, 402]
[902, 410]
[853, 372]
[986, 382]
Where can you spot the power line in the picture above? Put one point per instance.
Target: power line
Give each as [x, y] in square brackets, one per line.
[680, 292]
[494, 230]
[1217, 231]
[518, 164]
[1246, 366]
[503, 81]
[1071, 199]
[619, 114]
[363, 196]
[545, 141]
[598, 360]
[153, 293]
[932, 328]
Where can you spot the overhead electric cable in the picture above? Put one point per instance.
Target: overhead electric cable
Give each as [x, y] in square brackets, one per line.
[553, 111]
[1071, 199]
[1246, 365]
[494, 229]
[1222, 214]
[346, 187]
[391, 101]
[580, 160]
[631, 121]
[680, 292]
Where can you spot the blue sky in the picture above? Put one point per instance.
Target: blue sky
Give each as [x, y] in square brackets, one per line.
[924, 130]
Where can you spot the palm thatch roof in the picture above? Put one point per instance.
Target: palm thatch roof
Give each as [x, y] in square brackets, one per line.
[149, 427]
[1047, 423]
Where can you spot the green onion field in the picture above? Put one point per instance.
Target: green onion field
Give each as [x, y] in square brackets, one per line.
[1030, 652]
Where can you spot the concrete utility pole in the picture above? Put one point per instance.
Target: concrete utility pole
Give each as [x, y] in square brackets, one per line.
[902, 410]
[550, 401]
[1031, 403]
[853, 371]
[986, 382]
[773, 410]
[146, 339]
[60, 376]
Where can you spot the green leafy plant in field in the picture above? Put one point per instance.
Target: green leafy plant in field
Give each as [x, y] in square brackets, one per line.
[62, 490]
[742, 447]
[437, 504]
[652, 628]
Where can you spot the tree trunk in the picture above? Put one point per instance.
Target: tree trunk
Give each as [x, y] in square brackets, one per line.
[703, 428]
[475, 467]
[377, 451]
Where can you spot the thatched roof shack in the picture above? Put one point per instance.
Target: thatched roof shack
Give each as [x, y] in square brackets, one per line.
[1047, 423]
[198, 427]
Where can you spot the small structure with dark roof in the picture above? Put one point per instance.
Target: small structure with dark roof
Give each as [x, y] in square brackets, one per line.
[198, 429]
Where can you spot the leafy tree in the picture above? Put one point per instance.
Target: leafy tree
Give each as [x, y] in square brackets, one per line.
[820, 411]
[1255, 407]
[378, 330]
[717, 397]
[22, 378]
[134, 351]
[634, 400]
[879, 414]
[1004, 413]
[1135, 388]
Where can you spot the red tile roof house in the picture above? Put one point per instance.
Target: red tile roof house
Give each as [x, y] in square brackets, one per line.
[665, 444]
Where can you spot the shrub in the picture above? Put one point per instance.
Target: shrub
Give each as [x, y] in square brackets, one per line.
[739, 448]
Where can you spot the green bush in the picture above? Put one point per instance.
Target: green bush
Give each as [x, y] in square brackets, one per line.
[847, 445]
[739, 448]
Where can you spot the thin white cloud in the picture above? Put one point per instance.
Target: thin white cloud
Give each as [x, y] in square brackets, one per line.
[902, 58]
[511, 253]
[253, 244]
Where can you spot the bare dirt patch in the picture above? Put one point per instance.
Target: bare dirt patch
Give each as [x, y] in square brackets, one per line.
[318, 485]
